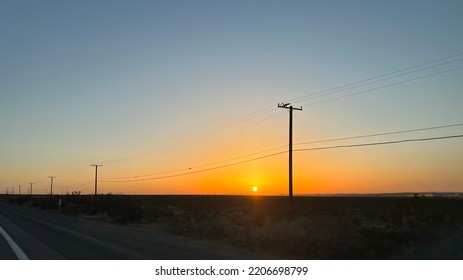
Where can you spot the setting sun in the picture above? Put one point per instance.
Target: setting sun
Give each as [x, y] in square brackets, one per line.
[255, 189]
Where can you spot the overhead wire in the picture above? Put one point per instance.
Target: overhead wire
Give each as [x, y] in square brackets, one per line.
[189, 170]
[70, 186]
[194, 139]
[380, 143]
[296, 144]
[284, 152]
[384, 86]
[376, 79]
[380, 134]
[268, 109]
[78, 186]
[200, 165]
[197, 171]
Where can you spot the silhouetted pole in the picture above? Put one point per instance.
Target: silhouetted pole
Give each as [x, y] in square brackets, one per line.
[19, 191]
[31, 188]
[96, 177]
[51, 184]
[7, 190]
[290, 150]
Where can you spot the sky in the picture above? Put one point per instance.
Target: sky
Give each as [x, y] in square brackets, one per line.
[180, 97]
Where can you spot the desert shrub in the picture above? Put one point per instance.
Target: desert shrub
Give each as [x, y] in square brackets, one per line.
[122, 210]
[20, 200]
[47, 203]
[74, 208]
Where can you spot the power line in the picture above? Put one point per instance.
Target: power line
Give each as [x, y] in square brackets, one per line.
[242, 119]
[86, 182]
[197, 171]
[206, 133]
[285, 146]
[198, 166]
[384, 86]
[376, 79]
[381, 134]
[381, 143]
[297, 150]
[349, 86]
[313, 142]
[79, 185]
[72, 172]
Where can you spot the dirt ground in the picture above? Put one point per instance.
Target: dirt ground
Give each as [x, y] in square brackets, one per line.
[307, 228]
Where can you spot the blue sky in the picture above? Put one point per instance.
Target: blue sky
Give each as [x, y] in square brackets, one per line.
[91, 81]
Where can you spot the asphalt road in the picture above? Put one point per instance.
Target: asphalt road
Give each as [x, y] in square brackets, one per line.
[6, 253]
[44, 235]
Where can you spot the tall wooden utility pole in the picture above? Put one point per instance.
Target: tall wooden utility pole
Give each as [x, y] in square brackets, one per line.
[51, 184]
[290, 108]
[96, 177]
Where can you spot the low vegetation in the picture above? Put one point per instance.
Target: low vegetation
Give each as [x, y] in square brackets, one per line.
[307, 228]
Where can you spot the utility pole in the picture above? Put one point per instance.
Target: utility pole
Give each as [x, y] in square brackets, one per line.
[7, 190]
[19, 192]
[51, 184]
[31, 188]
[96, 177]
[290, 108]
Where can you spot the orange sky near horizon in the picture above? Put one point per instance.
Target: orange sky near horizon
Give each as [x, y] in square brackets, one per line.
[356, 170]
[154, 89]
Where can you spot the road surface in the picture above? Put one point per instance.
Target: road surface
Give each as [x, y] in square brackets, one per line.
[49, 236]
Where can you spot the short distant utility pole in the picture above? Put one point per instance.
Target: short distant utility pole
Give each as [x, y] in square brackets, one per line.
[30, 191]
[51, 184]
[96, 177]
[19, 191]
[290, 108]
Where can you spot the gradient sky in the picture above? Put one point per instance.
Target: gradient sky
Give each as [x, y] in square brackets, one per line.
[151, 87]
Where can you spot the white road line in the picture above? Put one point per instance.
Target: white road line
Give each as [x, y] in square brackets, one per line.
[18, 252]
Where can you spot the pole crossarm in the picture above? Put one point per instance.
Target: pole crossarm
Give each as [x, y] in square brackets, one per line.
[287, 106]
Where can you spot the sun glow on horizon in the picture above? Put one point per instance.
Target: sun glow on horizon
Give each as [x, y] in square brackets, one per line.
[255, 189]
